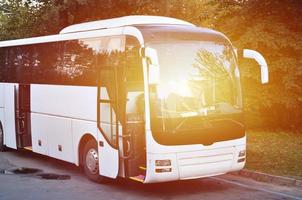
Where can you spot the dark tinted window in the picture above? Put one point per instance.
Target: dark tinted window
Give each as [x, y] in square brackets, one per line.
[45, 58]
[79, 66]
[31, 63]
[3, 60]
[73, 62]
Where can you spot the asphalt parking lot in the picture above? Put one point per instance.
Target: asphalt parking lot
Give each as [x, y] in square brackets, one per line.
[72, 184]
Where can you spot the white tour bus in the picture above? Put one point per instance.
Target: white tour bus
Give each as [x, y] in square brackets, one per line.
[143, 97]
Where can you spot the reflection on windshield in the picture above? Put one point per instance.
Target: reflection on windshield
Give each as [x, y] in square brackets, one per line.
[196, 78]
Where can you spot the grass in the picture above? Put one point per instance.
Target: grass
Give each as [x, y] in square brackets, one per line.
[277, 153]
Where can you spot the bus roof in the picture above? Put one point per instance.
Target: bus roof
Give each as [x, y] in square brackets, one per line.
[152, 28]
[123, 21]
[162, 33]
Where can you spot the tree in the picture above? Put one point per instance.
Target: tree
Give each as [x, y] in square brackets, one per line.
[28, 18]
[273, 28]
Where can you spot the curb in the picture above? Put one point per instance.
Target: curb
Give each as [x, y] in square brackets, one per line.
[262, 177]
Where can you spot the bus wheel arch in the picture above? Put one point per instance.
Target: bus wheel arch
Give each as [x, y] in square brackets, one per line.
[85, 138]
[89, 158]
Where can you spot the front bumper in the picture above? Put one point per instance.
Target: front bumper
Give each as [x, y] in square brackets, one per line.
[194, 164]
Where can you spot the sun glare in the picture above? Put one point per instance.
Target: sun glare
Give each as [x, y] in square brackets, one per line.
[180, 88]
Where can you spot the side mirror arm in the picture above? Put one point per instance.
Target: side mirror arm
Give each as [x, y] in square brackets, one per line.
[252, 54]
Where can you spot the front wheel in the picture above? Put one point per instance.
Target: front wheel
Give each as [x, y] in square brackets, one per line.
[91, 162]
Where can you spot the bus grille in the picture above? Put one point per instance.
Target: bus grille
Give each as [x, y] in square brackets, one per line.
[205, 163]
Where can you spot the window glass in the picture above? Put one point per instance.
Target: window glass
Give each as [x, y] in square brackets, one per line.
[48, 59]
[79, 62]
[72, 62]
[110, 53]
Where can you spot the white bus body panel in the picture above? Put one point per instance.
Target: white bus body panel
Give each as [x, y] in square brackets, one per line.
[64, 101]
[135, 32]
[62, 115]
[79, 129]
[54, 132]
[108, 158]
[123, 21]
[193, 161]
[54, 108]
[63, 37]
[108, 125]
[9, 115]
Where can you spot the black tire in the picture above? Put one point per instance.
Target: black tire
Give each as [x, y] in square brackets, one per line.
[90, 162]
[2, 146]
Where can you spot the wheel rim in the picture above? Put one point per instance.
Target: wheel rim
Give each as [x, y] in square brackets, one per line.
[92, 161]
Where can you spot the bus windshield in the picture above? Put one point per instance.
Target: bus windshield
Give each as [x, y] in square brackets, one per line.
[197, 78]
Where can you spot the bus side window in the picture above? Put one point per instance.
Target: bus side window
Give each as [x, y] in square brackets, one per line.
[13, 63]
[24, 73]
[79, 62]
[45, 61]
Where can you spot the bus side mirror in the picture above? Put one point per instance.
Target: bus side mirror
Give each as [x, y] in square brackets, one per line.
[252, 54]
[153, 65]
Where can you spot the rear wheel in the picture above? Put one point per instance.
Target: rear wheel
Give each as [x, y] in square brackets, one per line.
[91, 162]
[2, 146]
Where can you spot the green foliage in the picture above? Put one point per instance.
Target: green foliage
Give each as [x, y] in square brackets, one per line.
[272, 27]
[28, 18]
[275, 152]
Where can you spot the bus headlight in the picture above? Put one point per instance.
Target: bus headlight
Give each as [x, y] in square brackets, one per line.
[160, 163]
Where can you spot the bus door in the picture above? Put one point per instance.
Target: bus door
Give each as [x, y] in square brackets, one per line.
[134, 132]
[110, 119]
[22, 110]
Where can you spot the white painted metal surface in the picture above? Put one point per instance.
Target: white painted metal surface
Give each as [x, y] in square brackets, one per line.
[58, 133]
[64, 101]
[63, 37]
[248, 53]
[108, 158]
[81, 128]
[133, 31]
[123, 21]
[55, 109]
[193, 161]
[39, 130]
[202, 163]
[62, 115]
[9, 115]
